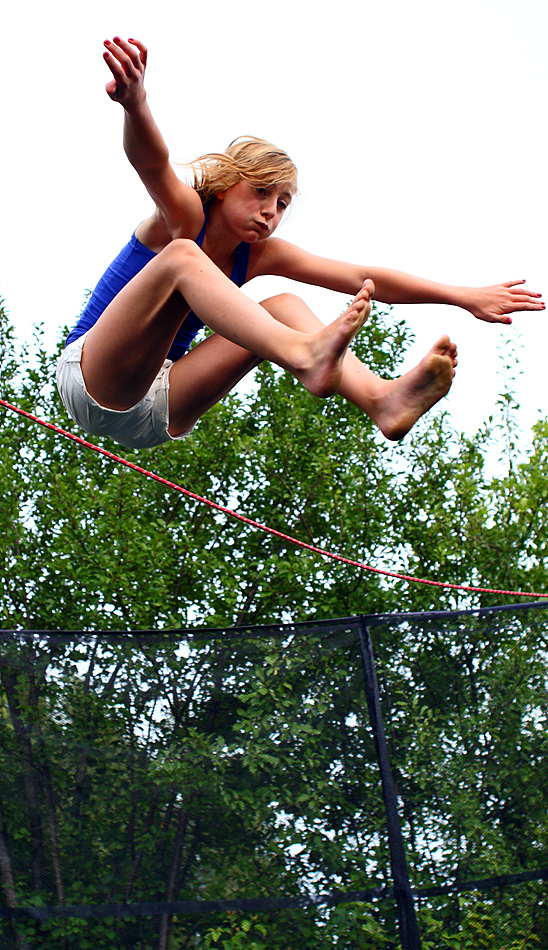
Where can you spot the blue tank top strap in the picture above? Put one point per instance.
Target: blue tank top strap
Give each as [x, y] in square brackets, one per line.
[200, 239]
[239, 271]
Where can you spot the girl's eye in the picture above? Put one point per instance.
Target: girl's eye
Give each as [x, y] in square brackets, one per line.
[261, 192]
[282, 205]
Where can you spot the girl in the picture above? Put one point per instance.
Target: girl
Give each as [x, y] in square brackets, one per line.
[125, 371]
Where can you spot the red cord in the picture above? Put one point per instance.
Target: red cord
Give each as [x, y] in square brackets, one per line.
[262, 527]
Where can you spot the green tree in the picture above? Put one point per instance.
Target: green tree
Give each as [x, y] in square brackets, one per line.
[140, 767]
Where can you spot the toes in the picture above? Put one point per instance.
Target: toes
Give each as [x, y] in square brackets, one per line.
[445, 347]
[359, 306]
[366, 292]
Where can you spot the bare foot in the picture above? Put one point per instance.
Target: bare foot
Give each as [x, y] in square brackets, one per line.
[406, 399]
[320, 365]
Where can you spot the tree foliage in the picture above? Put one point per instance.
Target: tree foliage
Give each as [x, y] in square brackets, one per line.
[139, 767]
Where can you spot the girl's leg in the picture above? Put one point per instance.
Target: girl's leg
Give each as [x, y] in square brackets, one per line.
[202, 377]
[393, 404]
[125, 349]
[211, 369]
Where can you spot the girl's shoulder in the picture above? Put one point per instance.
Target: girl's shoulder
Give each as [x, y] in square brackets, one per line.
[177, 203]
[155, 234]
[184, 213]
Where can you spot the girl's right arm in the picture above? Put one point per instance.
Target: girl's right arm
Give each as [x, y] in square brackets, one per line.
[144, 145]
[492, 304]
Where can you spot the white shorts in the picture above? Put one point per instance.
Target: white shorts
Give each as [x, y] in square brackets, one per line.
[140, 427]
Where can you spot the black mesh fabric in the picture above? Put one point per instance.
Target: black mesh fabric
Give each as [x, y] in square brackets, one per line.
[185, 788]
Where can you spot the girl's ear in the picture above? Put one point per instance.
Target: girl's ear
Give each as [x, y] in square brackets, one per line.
[220, 196]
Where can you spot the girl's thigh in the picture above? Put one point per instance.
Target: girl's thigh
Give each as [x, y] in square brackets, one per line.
[127, 346]
[203, 377]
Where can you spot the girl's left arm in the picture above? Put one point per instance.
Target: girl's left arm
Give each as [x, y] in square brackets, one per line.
[178, 203]
[491, 304]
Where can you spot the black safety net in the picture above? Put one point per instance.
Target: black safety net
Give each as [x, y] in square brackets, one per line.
[237, 788]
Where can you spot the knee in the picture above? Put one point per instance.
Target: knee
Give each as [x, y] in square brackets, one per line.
[280, 302]
[180, 251]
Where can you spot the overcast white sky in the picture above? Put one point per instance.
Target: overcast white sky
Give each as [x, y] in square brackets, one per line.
[419, 130]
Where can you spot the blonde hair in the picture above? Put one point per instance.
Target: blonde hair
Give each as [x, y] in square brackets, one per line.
[248, 158]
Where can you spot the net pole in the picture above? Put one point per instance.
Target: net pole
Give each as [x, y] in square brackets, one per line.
[407, 921]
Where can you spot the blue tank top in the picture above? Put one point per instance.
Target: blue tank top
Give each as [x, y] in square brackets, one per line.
[131, 259]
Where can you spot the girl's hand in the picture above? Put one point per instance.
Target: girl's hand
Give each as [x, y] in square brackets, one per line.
[494, 304]
[127, 63]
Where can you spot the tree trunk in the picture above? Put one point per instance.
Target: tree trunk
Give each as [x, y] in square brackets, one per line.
[170, 889]
[22, 733]
[8, 881]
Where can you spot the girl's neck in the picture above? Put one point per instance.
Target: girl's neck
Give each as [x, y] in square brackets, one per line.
[220, 242]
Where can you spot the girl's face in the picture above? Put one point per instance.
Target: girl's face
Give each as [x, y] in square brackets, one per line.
[254, 211]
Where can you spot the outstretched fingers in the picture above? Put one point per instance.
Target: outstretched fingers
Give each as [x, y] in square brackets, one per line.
[495, 304]
[143, 51]
[522, 298]
[127, 62]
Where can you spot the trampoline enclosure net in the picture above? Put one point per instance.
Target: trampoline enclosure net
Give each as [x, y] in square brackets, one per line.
[228, 765]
